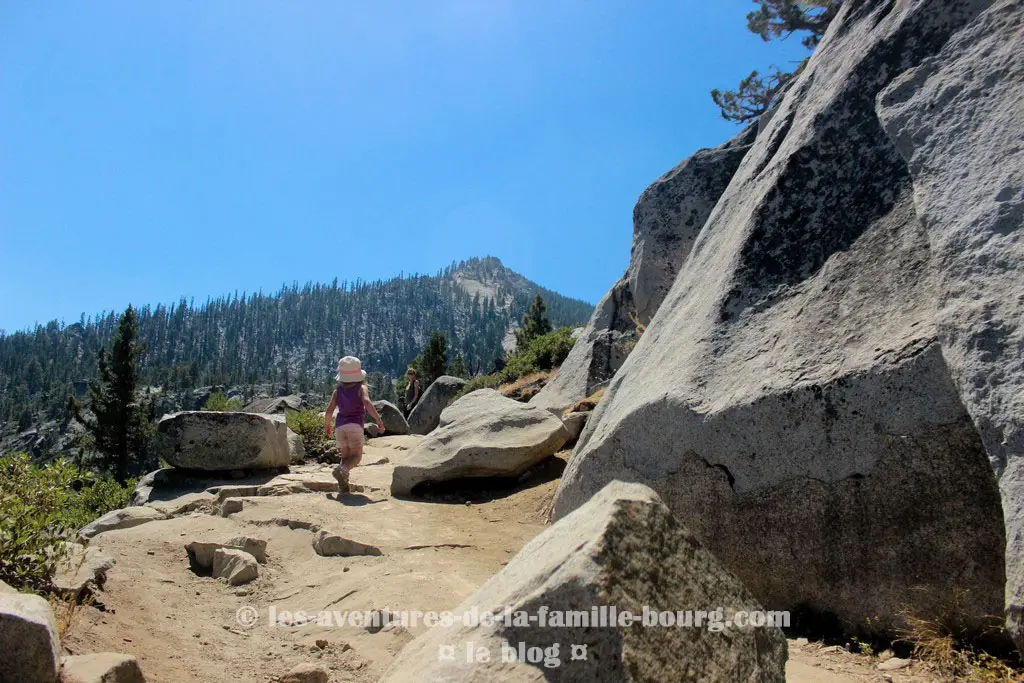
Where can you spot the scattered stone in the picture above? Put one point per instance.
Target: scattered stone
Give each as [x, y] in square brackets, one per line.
[124, 518]
[321, 644]
[256, 547]
[483, 434]
[371, 430]
[886, 655]
[81, 572]
[222, 441]
[27, 621]
[894, 664]
[201, 553]
[306, 673]
[622, 548]
[236, 566]
[230, 507]
[103, 667]
[425, 416]
[327, 544]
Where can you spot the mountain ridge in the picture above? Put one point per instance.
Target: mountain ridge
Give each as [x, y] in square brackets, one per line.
[291, 337]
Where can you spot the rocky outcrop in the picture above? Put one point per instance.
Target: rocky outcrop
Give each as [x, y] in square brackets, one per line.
[391, 416]
[222, 441]
[327, 544]
[234, 566]
[808, 397]
[427, 412]
[30, 645]
[102, 667]
[483, 434]
[666, 221]
[622, 549]
[277, 405]
[124, 518]
[956, 120]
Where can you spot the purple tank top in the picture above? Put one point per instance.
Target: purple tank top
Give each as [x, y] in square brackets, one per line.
[350, 405]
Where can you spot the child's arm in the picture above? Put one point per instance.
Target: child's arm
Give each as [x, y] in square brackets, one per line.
[329, 415]
[371, 409]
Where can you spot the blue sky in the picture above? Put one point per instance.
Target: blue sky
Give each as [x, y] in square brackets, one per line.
[150, 150]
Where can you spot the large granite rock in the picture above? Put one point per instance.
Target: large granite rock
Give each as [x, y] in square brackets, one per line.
[223, 441]
[622, 549]
[827, 385]
[483, 434]
[296, 450]
[957, 120]
[394, 422]
[29, 645]
[427, 412]
[666, 220]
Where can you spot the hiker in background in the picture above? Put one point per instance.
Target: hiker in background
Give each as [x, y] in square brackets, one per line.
[352, 399]
[412, 392]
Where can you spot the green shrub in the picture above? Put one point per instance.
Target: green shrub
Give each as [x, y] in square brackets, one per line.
[219, 403]
[541, 354]
[309, 425]
[39, 507]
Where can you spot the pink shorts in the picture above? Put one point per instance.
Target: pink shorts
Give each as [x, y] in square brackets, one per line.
[349, 439]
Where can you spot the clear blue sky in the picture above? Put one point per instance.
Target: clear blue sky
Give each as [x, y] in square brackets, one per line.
[150, 150]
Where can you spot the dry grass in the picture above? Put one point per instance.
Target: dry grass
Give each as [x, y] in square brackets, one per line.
[66, 610]
[587, 404]
[516, 387]
[935, 644]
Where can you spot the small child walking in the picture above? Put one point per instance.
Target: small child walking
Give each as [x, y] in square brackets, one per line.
[352, 400]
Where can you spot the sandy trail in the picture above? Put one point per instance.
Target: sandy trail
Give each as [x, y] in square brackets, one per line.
[184, 627]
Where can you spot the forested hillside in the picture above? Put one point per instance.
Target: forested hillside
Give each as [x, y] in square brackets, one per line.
[290, 338]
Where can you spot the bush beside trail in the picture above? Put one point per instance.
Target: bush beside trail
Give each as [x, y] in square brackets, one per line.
[42, 506]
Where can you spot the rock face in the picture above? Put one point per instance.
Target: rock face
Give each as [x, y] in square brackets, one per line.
[327, 544]
[666, 221]
[623, 549]
[235, 566]
[124, 518]
[394, 422]
[956, 120]
[427, 412]
[827, 385]
[103, 667]
[26, 620]
[483, 434]
[222, 441]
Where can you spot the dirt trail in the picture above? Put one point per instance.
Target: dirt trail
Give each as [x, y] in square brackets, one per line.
[184, 627]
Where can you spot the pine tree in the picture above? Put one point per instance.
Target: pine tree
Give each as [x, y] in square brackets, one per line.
[121, 428]
[757, 94]
[458, 367]
[435, 359]
[535, 323]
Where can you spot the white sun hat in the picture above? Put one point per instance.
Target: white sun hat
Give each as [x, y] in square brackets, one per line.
[350, 370]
